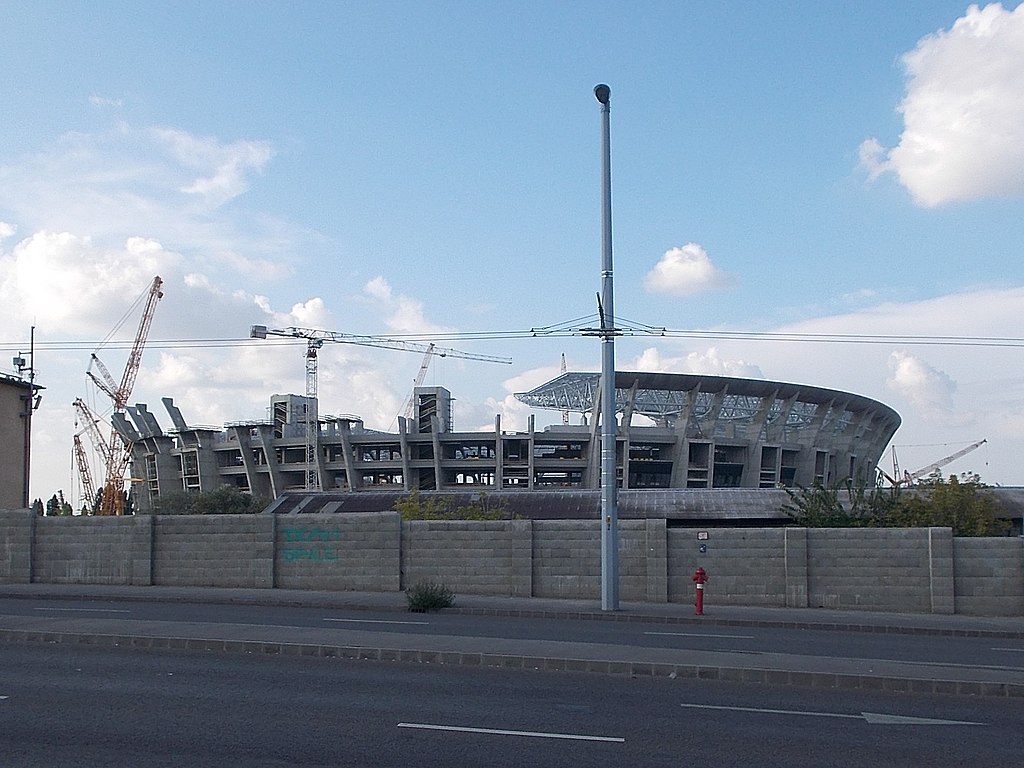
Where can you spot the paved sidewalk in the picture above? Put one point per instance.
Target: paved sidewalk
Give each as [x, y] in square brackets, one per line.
[769, 668]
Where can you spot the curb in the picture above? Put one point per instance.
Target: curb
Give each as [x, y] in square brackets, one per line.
[822, 680]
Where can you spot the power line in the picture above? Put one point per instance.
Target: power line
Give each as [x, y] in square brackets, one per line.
[562, 330]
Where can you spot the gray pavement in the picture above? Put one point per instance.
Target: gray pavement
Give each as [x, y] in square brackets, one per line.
[768, 668]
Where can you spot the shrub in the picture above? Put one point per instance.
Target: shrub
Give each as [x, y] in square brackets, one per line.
[428, 596]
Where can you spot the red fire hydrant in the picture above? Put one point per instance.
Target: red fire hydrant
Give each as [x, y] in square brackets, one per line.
[700, 578]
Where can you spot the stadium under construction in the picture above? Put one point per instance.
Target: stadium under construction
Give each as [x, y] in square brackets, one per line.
[703, 435]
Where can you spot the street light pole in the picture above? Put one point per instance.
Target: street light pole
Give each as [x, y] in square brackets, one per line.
[609, 482]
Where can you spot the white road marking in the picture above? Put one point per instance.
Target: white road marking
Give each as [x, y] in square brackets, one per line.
[871, 717]
[499, 732]
[86, 610]
[4, 697]
[375, 621]
[700, 634]
[1015, 650]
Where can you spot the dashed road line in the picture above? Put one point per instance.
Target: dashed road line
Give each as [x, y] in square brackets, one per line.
[501, 732]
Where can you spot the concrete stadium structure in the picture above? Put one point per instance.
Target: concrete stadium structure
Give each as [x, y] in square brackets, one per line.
[676, 431]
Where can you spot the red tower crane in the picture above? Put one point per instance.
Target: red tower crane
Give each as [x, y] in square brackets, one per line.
[118, 453]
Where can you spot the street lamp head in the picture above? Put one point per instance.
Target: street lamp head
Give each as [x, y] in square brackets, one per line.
[603, 93]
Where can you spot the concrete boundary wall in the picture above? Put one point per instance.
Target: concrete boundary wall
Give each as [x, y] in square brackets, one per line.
[923, 570]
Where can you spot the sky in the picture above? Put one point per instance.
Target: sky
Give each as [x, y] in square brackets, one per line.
[392, 168]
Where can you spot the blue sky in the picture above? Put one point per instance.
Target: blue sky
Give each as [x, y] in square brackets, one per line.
[387, 168]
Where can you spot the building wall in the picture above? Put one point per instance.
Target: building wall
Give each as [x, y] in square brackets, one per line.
[12, 442]
[904, 570]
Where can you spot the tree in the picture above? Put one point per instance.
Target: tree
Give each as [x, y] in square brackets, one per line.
[57, 505]
[845, 505]
[225, 500]
[958, 503]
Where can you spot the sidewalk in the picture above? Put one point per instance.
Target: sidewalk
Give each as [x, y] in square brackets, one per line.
[769, 668]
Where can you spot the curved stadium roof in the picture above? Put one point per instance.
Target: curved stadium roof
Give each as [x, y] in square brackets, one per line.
[716, 404]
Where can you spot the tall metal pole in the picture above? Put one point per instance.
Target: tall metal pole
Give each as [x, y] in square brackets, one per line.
[609, 482]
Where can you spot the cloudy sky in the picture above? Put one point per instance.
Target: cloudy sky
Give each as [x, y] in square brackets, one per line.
[806, 170]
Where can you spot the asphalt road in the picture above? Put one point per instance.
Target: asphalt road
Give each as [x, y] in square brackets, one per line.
[950, 650]
[76, 706]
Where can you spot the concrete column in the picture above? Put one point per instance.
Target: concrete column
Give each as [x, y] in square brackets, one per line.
[940, 570]
[354, 480]
[795, 544]
[657, 561]
[141, 572]
[435, 435]
[403, 439]
[499, 458]
[522, 558]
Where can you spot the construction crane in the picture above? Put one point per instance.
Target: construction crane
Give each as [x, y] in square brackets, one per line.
[315, 339]
[118, 453]
[90, 426]
[911, 478]
[88, 487]
[410, 404]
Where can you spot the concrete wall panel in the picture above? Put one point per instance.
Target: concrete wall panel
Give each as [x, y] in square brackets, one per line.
[744, 566]
[213, 550]
[16, 545]
[338, 552]
[989, 576]
[92, 550]
[481, 557]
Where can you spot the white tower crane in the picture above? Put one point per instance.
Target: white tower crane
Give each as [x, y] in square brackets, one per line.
[315, 339]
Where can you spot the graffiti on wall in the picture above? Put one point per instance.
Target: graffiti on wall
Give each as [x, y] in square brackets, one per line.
[308, 544]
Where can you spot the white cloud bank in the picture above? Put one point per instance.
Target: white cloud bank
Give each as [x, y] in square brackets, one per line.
[684, 271]
[963, 112]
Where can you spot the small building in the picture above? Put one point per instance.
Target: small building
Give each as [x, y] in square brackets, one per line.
[16, 404]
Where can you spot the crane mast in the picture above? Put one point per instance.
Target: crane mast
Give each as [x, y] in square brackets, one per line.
[315, 339]
[410, 403]
[88, 488]
[117, 455]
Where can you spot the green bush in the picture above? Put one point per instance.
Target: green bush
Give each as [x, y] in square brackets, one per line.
[412, 507]
[428, 596]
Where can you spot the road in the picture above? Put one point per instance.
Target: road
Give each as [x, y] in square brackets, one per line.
[76, 706]
[951, 651]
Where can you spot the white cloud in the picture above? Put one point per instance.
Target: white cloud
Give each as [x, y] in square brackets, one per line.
[104, 101]
[6, 230]
[709, 362]
[963, 112]
[683, 272]
[71, 286]
[224, 168]
[929, 390]
[156, 183]
[403, 314]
